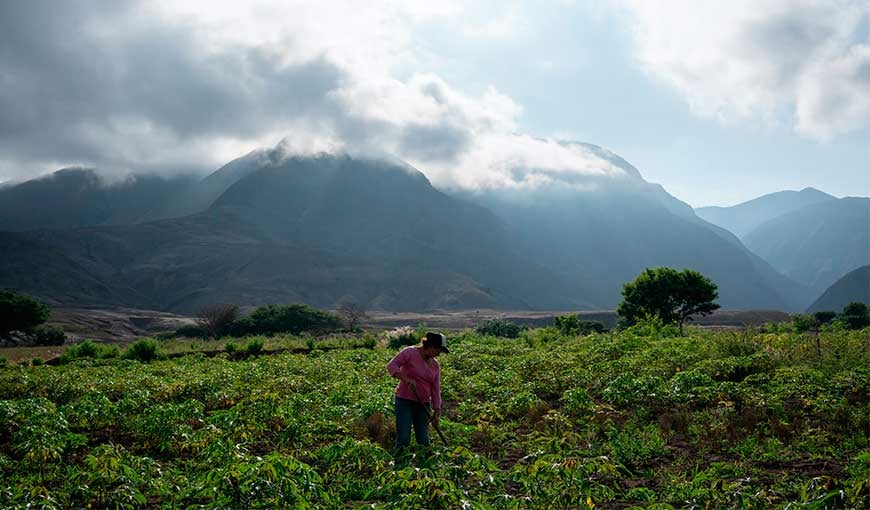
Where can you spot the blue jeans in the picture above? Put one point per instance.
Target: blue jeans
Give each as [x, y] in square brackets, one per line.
[411, 412]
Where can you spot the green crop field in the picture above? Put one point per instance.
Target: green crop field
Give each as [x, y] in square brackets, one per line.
[626, 420]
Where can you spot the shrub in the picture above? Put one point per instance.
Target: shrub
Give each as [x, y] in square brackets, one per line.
[499, 327]
[254, 346]
[293, 319]
[231, 347]
[401, 337]
[192, 331]
[3, 361]
[802, 322]
[856, 315]
[571, 325]
[825, 317]
[653, 326]
[19, 312]
[216, 319]
[89, 349]
[48, 335]
[145, 350]
[37, 362]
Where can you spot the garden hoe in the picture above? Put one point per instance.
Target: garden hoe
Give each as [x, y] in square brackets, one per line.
[429, 412]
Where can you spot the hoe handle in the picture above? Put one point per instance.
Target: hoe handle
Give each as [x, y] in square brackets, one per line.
[429, 413]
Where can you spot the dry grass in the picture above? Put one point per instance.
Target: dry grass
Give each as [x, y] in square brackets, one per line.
[16, 354]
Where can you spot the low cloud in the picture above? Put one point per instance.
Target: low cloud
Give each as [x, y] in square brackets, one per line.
[797, 63]
[181, 86]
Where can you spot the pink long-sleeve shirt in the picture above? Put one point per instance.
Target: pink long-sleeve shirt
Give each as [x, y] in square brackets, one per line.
[409, 361]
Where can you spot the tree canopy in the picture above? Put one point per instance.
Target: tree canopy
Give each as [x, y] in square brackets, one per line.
[19, 312]
[673, 296]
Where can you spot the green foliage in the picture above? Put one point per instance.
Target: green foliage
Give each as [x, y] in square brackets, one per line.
[89, 349]
[653, 326]
[48, 335]
[402, 336]
[825, 317]
[802, 322]
[708, 420]
[254, 347]
[145, 350]
[572, 325]
[499, 327]
[856, 315]
[19, 312]
[231, 347]
[192, 331]
[37, 362]
[292, 319]
[674, 296]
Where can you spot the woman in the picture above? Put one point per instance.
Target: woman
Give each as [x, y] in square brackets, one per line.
[419, 388]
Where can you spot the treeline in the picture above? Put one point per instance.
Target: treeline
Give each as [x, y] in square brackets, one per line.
[222, 320]
[855, 315]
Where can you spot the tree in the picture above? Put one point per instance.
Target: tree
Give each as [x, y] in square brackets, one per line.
[292, 319]
[19, 312]
[803, 322]
[856, 315]
[353, 314]
[216, 318]
[825, 317]
[571, 324]
[499, 327]
[673, 296]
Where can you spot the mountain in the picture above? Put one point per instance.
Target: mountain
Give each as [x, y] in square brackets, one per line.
[315, 230]
[322, 229]
[855, 286]
[817, 244]
[608, 230]
[745, 217]
[78, 197]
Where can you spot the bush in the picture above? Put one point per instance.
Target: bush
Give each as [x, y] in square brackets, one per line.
[571, 325]
[3, 361]
[401, 337]
[89, 349]
[254, 347]
[20, 313]
[37, 362]
[825, 317]
[192, 331]
[217, 319]
[231, 347]
[145, 350]
[48, 335]
[499, 327]
[802, 322]
[292, 319]
[654, 327]
[856, 315]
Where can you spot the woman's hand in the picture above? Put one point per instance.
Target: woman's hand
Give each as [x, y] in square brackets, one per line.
[436, 417]
[410, 382]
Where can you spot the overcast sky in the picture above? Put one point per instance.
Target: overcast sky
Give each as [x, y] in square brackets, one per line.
[718, 101]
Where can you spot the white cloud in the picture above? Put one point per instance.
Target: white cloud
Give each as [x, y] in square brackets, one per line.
[167, 85]
[800, 63]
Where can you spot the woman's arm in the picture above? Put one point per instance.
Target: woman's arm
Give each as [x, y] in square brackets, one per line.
[394, 367]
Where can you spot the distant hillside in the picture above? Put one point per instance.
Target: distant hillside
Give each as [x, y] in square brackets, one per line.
[817, 244]
[607, 235]
[314, 230]
[324, 229]
[855, 286]
[745, 217]
[78, 197]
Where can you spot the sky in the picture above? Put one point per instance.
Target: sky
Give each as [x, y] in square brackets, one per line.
[719, 102]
